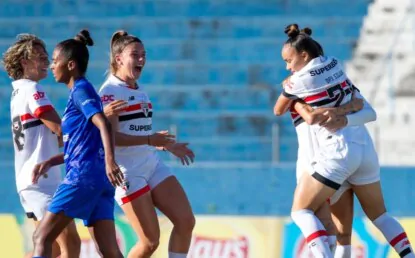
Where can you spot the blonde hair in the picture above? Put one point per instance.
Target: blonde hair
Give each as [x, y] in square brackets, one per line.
[119, 41]
[21, 49]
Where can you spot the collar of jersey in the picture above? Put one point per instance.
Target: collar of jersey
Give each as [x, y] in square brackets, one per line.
[114, 80]
[22, 82]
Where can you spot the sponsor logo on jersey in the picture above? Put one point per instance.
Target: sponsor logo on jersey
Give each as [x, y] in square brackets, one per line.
[326, 68]
[139, 128]
[38, 95]
[107, 98]
[131, 98]
[88, 101]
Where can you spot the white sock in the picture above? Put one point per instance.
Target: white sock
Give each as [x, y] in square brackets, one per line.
[313, 231]
[343, 251]
[332, 243]
[177, 255]
[395, 234]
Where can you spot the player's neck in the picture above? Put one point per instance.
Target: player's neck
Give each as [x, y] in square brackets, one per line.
[31, 78]
[72, 81]
[130, 82]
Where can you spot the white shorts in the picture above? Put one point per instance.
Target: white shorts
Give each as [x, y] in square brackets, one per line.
[302, 168]
[35, 202]
[140, 178]
[339, 161]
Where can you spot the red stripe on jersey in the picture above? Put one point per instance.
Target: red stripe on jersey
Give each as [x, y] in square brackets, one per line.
[398, 239]
[136, 107]
[43, 109]
[315, 235]
[26, 117]
[316, 96]
[135, 195]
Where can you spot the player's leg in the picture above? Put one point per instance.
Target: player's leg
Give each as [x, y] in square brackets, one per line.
[342, 214]
[46, 233]
[366, 186]
[142, 216]
[69, 242]
[56, 251]
[324, 215]
[169, 197]
[309, 196]
[101, 225]
[35, 204]
[334, 163]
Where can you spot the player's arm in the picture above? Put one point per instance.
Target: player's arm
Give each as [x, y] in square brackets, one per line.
[42, 168]
[286, 98]
[52, 121]
[87, 102]
[42, 108]
[365, 115]
[316, 116]
[282, 105]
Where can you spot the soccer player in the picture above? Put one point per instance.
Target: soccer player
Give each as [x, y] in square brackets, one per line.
[347, 154]
[87, 191]
[36, 127]
[148, 182]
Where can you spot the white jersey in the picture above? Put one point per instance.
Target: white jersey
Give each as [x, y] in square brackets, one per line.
[323, 83]
[33, 141]
[307, 143]
[135, 120]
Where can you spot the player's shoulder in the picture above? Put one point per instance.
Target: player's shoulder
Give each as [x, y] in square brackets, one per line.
[292, 82]
[27, 85]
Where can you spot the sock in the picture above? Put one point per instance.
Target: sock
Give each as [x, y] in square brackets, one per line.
[313, 231]
[177, 255]
[343, 251]
[395, 235]
[332, 243]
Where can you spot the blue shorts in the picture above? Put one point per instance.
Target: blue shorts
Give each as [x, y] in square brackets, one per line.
[88, 203]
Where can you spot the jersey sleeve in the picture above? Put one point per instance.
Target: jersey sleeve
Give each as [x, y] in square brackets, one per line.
[37, 100]
[292, 88]
[87, 101]
[366, 115]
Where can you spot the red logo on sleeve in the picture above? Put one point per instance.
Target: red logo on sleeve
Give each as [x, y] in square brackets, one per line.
[107, 98]
[38, 95]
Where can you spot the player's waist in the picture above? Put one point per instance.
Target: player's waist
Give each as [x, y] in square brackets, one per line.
[136, 152]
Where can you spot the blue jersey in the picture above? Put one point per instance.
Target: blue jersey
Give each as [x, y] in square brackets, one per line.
[83, 148]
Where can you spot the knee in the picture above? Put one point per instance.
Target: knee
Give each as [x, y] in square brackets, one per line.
[185, 224]
[328, 225]
[40, 239]
[150, 246]
[344, 238]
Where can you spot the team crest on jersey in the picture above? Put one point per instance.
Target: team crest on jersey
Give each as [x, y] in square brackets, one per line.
[145, 108]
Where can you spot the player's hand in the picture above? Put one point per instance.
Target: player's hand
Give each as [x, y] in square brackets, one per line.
[115, 107]
[181, 151]
[357, 103]
[114, 173]
[161, 139]
[335, 124]
[40, 170]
